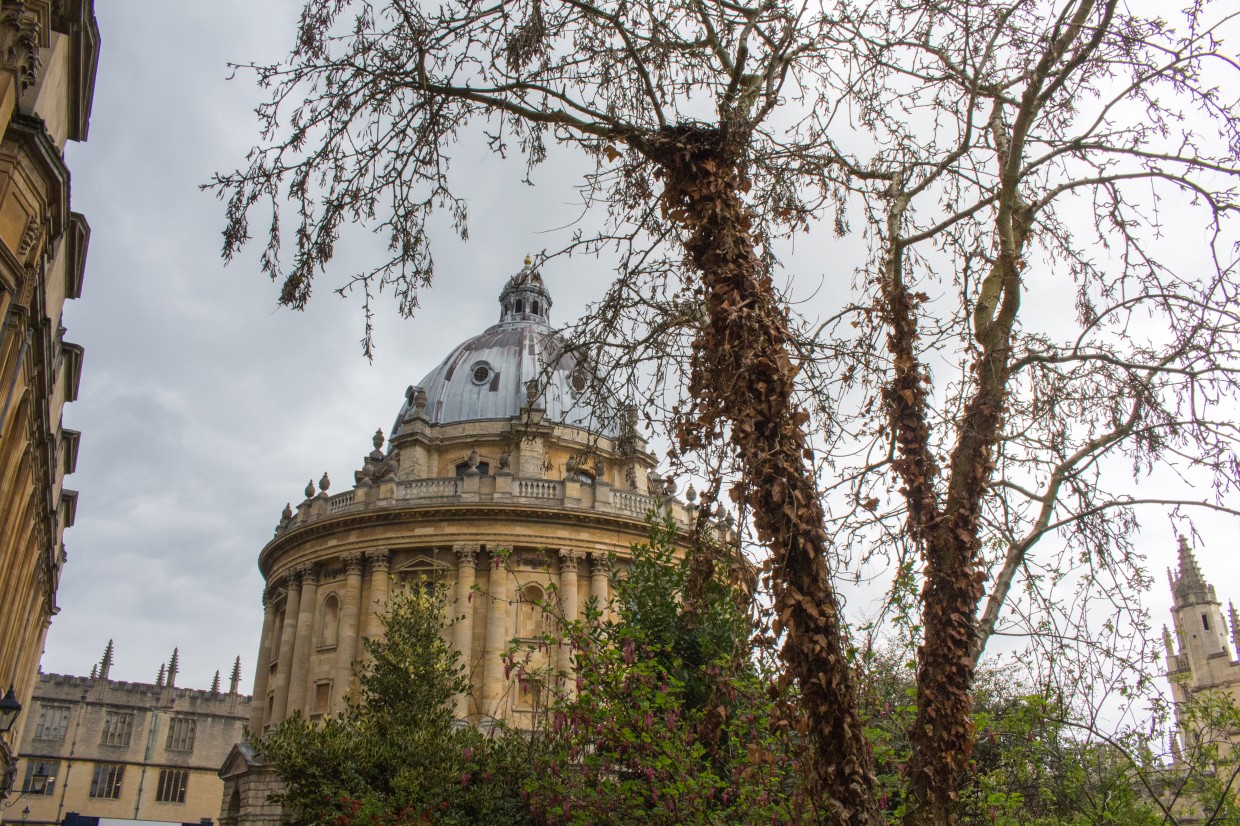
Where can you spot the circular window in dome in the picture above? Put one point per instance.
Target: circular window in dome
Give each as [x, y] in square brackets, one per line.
[481, 372]
[578, 381]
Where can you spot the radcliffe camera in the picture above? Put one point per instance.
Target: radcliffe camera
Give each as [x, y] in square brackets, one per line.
[558, 413]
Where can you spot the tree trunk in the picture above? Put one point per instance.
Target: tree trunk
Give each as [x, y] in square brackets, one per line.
[742, 377]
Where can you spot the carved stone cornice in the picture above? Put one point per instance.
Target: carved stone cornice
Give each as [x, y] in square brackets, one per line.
[570, 559]
[466, 554]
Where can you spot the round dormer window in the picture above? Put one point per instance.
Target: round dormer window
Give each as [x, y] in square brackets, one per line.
[481, 372]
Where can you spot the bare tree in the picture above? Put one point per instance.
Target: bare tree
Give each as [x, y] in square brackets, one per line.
[719, 127]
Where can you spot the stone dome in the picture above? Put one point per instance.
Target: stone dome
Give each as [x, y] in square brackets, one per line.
[486, 377]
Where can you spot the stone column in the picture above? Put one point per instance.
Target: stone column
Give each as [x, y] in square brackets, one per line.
[494, 683]
[258, 705]
[569, 560]
[598, 581]
[303, 645]
[288, 632]
[463, 630]
[350, 616]
[379, 562]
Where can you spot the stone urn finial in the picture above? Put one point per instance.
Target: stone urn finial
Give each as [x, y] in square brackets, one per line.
[310, 489]
[377, 441]
[287, 513]
[419, 402]
[324, 483]
[691, 494]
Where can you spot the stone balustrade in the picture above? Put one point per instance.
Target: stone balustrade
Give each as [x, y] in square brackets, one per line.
[501, 488]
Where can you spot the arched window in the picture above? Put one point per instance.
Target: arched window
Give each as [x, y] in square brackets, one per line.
[520, 306]
[534, 307]
[531, 619]
[329, 621]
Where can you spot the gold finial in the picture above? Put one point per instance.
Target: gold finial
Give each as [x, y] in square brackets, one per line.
[528, 260]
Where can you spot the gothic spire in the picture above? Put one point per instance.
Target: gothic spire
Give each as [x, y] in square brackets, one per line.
[215, 683]
[159, 680]
[1167, 641]
[174, 665]
[1190, 574]
[235, 680]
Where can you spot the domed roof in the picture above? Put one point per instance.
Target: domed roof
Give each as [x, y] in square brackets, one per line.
[485, 377]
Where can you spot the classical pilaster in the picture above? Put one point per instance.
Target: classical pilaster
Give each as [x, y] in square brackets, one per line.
[463, 630]
[569, 560]
[288, 635]
[262, 670]
[499, 613]
[598, 581]
[303, 643]
[350, 617]
[380, 580]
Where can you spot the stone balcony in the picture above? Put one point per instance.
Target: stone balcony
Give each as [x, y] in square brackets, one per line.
[503, 488]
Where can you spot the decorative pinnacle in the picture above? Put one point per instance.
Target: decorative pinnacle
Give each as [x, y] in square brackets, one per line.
[235, 679]
[1190, 574]
[1235, 626]
[528, 260]
[324, 483]
[174, 667]
[215, 683]
[105, 665]
[377, 440]
[1168, 642]
[159, 680]
[310, 489]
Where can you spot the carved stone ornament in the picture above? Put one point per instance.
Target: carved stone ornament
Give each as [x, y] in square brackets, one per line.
[19, 41]
[293, 578]
[377, 439]
[466, 554]
[352, 563]
[379, 560]
[570, 559]
[30, 238]
[504, 459]
[324, 483]
[310, 489]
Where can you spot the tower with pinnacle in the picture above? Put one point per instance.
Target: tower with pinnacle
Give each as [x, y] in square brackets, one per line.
[1199, 657]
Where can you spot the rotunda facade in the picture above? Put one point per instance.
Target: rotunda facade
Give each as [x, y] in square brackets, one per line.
[497, 482]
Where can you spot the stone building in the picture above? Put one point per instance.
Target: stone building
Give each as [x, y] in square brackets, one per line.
[106, 748]
[1198, 657]
[48, 53]
[500, 479]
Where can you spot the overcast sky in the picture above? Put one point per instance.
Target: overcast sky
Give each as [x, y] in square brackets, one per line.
[203, 408]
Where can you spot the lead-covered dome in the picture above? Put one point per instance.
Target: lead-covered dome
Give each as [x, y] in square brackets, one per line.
[486, 377]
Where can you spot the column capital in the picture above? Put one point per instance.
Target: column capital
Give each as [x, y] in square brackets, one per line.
[569, 559]
[599, 563]
[466, 553]
[292, 579]
[352, 563]
[310, 573]
[380, 561]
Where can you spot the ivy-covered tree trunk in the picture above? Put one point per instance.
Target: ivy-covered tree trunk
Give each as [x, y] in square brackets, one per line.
[742, 379]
